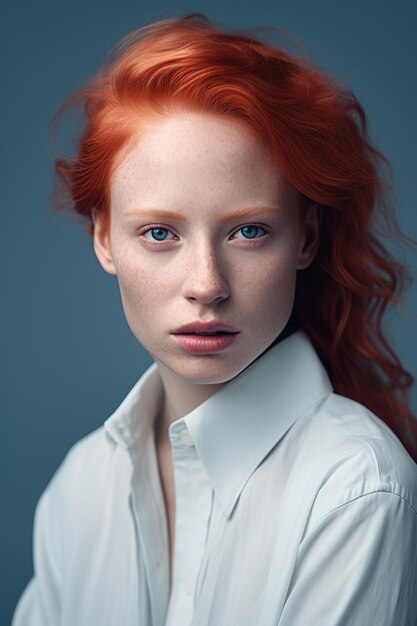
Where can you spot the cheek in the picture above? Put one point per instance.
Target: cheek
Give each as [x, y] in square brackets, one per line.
[141, 292]
[275, 275]
[273, 287]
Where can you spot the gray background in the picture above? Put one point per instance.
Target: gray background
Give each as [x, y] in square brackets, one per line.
[68, 355]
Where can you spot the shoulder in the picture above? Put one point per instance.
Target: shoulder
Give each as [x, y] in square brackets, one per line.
[354, 454]
[86, 453]
[88, 469]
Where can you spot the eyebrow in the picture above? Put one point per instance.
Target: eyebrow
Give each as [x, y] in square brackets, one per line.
[248, 212]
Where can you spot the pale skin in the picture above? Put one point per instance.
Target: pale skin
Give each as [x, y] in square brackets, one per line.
[202, 167]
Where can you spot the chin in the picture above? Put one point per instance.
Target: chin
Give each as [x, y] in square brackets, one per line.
[220, 369]
[205, 369]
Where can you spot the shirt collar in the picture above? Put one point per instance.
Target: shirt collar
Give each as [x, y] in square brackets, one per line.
[235, 428]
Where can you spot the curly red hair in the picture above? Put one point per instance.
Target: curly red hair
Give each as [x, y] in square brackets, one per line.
[317, 131]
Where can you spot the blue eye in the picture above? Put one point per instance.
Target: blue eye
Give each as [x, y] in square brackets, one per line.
[251, 231]
[158, 233]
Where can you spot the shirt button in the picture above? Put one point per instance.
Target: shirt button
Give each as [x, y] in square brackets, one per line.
[188, 588]
[185, 438]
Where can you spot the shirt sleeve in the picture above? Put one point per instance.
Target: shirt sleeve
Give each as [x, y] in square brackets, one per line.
[357, 566]
[40, 602]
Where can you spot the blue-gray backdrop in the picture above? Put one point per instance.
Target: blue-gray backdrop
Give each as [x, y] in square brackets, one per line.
[68, 355]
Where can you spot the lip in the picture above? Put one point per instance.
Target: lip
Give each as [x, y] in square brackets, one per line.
[201, 327]
[201, 344]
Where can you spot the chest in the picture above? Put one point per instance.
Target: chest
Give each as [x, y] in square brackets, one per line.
[167, 480]
[232, 570]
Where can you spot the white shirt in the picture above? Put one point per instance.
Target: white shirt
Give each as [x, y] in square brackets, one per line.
[295, 506]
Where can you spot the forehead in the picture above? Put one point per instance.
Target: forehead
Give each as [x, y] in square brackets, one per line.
[196, 155]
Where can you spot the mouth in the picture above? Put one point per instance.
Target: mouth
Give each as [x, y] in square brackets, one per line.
[205, 342]
[220, 332]
[198, 327]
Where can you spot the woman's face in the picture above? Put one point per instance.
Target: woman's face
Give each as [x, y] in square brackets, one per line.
[181, 256]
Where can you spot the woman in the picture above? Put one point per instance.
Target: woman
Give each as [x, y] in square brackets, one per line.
[266, 475]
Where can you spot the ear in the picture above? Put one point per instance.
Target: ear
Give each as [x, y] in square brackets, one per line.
[311, 236]
[101, 242]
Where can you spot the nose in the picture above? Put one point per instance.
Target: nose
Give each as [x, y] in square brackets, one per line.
[205, 276]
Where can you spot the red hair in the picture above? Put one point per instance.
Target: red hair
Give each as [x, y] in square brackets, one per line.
[317, 131]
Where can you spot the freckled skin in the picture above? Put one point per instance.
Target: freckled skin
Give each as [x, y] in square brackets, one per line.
[203, 166]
